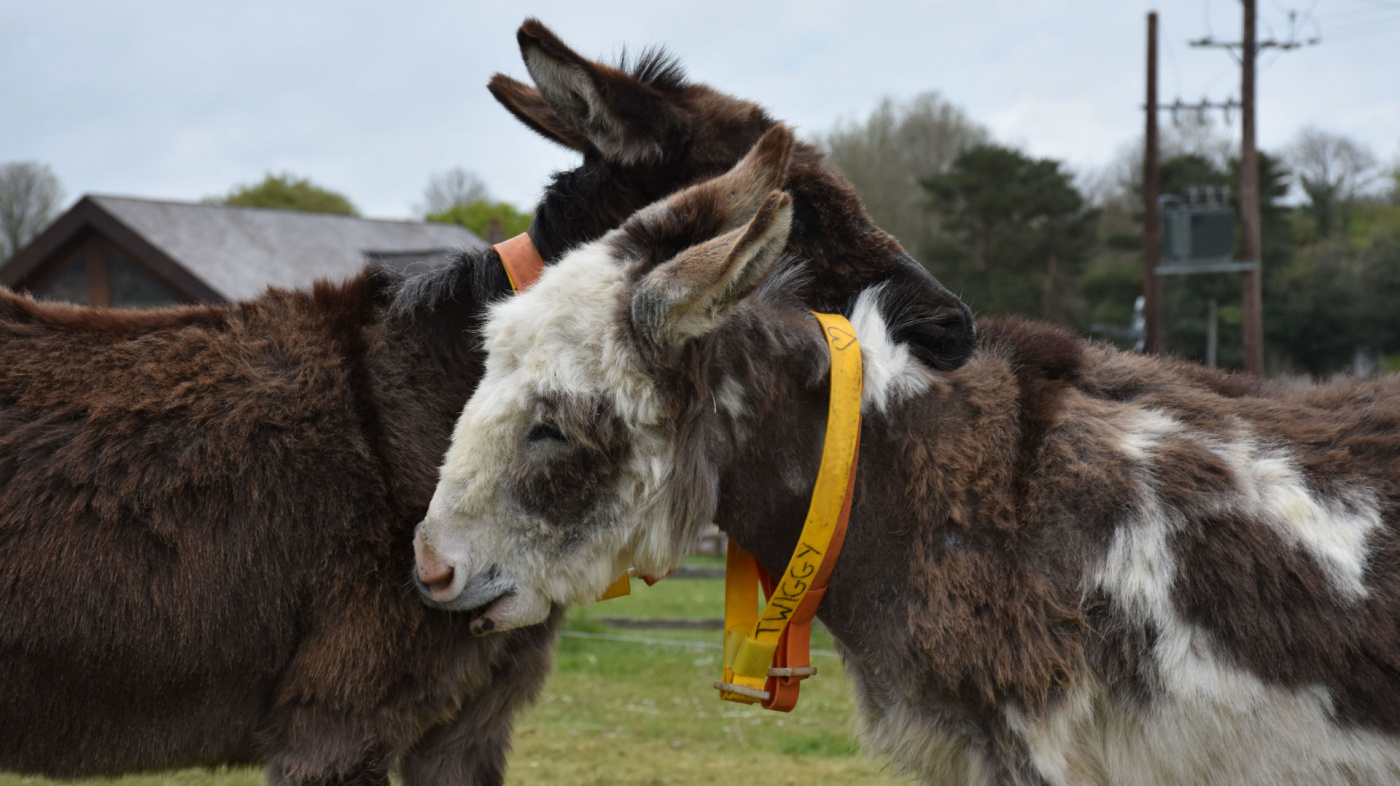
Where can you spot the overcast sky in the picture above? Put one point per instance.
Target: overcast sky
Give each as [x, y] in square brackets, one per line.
[183, 99]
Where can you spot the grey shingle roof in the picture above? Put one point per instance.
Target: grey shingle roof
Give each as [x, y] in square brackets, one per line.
[240, 251]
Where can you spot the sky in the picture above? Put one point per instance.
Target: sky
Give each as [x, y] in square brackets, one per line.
[185, 99]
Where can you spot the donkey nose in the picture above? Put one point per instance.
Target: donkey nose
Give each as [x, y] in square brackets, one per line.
[435, 572]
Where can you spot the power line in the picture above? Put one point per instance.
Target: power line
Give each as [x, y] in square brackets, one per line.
[1176, 70]
[1364, 18]
[1363, 31]
[1362, 15]
[1343, 24]
[1273, 42]
[1370, 25]
[1381, 3]
[1308, 17]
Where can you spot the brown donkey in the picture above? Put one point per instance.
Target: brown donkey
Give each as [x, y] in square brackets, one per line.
[204, 512]
[1065, 564]
[650, 132]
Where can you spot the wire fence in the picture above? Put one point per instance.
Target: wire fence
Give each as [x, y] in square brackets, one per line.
[704, 645]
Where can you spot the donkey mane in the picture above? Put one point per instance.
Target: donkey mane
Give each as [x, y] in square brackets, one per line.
[657, 67]
[471, 276]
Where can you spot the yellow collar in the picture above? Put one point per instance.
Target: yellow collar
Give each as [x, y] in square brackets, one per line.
[766, 655]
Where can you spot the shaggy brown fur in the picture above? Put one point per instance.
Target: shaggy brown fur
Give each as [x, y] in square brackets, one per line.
[983, 508]
[1064, 564]
[203, 516]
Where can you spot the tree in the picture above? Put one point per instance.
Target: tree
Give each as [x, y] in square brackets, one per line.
[1334, 171]
[481, 215]
[1338, 298]
[1395, 183]
[1020, 232]
[30, 196]
[1188, 136]
[289, 192]
[888, 154]
[449, 189]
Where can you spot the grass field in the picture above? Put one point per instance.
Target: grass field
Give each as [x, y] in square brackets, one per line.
[628, 713]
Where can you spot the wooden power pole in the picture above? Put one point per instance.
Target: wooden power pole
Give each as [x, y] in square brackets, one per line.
[1151, 209]
[1251, 254]
[1251, 239]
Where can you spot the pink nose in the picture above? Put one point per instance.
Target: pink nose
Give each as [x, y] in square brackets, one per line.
[434, 571]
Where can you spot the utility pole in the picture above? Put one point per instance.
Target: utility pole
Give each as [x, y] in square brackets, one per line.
[1151, 216]
[1251, 238]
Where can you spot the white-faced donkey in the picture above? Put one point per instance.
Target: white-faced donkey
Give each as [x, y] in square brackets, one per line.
[1065, 564]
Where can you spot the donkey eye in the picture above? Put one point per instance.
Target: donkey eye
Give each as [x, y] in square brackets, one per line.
[546, 432]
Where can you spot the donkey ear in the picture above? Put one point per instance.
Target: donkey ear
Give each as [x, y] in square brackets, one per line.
[530, 108]
[621, 116]
[686, 296]
[750, 182]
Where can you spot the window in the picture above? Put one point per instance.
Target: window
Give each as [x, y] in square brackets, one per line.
[132, 287]
[70, 283]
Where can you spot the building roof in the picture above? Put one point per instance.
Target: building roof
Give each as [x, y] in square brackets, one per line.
[240, 251]
[216, 252]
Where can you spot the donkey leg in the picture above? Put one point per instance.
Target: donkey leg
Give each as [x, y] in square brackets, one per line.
[319, 746]
[368, 773]
[471, 749]
[470, 752]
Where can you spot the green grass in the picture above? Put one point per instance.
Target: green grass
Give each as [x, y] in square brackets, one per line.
[624, 713]
[670, 599]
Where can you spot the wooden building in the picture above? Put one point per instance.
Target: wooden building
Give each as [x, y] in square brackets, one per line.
[140, 253]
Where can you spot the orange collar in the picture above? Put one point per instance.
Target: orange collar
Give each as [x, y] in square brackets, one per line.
[522, 262]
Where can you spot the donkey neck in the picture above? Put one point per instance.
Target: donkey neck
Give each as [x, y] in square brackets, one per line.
[941, 512]
[842, 248]
[776, 413]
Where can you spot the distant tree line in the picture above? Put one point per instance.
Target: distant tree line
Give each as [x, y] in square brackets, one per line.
[455, 196]
[1016, 234]
[286, 191]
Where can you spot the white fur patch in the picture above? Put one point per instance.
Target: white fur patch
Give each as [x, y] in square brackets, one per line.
[891, 372]
[1271, 490]
[1256, 736]
[1333, 532]
[917, 740]
[907, 736]
[1209, 721]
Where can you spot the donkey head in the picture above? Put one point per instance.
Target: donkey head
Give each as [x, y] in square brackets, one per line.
[562, 470]
[643, 129]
